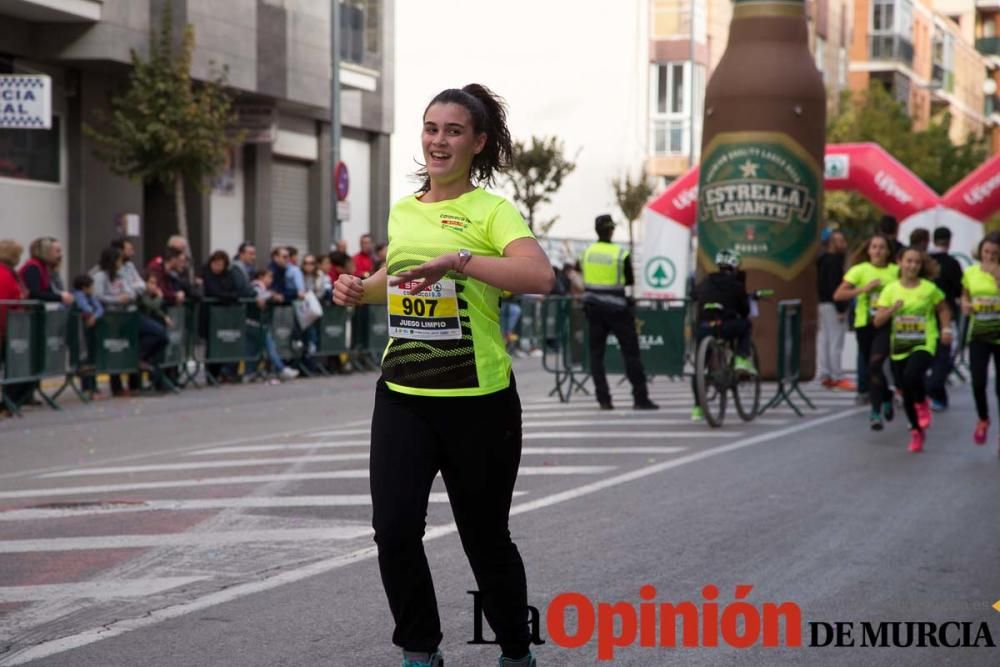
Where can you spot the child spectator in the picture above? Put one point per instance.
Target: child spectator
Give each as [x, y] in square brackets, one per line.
[262, 288]
[91, 309]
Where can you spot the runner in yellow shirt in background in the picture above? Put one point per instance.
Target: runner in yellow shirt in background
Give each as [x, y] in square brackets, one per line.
[871, 270]
[981, 304]
[909, 306]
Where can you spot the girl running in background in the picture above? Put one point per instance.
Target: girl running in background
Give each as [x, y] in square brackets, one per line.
[981, 304]
[871, 270]
[909, 306]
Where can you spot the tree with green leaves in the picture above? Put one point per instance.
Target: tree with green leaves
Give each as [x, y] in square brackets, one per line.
[631, 198]
[877, 116]
[165, 127]
[537, 172]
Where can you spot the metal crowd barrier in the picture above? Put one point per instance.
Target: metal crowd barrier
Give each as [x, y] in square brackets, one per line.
[557, 325]
[41, 341]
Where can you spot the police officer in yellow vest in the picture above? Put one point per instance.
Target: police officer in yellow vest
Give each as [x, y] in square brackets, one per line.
[607, 269]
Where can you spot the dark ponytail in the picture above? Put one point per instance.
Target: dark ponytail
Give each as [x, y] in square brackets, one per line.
[489, 115]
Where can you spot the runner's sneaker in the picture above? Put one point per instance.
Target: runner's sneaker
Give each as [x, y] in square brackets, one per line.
[744, 364]
[888, 411]
[423, 659]
[979, 435]
[923, 414]
[844, 385]
[916, 441]
[938, 406]
[875, 421]
[607, 406]
[829, 383]
[645, 405]
[289, 373]
[697, 414]
[526, 661]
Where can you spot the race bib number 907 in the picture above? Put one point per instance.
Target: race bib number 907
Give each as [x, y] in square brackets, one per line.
[429, 315]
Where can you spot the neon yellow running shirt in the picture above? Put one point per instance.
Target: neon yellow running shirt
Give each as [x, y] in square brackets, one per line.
[475, 361]
[914, 326]
[860, 275]
[985, 296]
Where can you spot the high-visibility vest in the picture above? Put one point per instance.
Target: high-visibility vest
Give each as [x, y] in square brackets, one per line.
[604, 266]
[604, 273]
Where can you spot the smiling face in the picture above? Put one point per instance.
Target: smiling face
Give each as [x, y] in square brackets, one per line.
[878, 251]
[910, 263]
[989, 253]
[450, 143]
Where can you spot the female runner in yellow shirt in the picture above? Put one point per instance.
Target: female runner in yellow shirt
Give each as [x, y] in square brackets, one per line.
[446, 401]
[872, 268]
[981, 304]
[909, 306]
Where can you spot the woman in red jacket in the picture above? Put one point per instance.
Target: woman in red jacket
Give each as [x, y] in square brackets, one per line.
[11, 288]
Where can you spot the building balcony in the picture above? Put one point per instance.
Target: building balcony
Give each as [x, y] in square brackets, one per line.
[890, 48]
[988, 46]
[988, 5]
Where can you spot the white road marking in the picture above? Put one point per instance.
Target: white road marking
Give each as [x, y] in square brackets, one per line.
[156, 616]
[601, 450]
[94, 590]
[261, 479]
[201, 465]
[346, 532]
[174, 451]
[341, 431]
[604, 422]
[604, 435]
[296, 446]
[249, 502]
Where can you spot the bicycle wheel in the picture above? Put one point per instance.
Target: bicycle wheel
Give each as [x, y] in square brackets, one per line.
[710, 385]
[746, 391]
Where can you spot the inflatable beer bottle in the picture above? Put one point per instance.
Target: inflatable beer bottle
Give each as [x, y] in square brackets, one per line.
[760, 187]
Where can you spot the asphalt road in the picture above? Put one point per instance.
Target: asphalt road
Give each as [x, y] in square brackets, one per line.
[231, 527]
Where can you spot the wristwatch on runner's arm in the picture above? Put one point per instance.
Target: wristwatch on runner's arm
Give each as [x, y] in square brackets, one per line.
[464, 255]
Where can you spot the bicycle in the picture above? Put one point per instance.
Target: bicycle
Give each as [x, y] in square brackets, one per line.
[715, 375]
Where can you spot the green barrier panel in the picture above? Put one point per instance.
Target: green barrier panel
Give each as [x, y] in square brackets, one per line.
[332, 331]
[52, 345]
[378, 330]
[661, 342]
[177, 337]
[117, 342]
[225, 341]
[789, 356]
[529, 327]
[18, 349]
[577, 350]
[282, 330]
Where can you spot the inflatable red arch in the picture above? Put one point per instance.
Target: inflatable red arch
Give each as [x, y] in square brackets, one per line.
[868, 169]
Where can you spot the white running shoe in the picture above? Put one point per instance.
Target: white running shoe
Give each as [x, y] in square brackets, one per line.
[288, 373]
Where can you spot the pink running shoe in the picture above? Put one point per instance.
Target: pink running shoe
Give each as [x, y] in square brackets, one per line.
[979, 435]
[923, 415]
[916, 441]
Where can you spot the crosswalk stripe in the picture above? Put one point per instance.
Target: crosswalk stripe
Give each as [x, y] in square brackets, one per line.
[601, 450]
[341, 431]
[214, 539]
[94, 590]
[262, 479]
[202, 465]
[603, 422]
[296, 446]
[640, 435]
[262, 502]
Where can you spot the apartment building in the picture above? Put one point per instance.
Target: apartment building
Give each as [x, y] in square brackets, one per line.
[277, 186]
[686, 41]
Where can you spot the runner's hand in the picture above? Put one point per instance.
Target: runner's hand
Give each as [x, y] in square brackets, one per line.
[872, 285]
[428, 272]
[946, 336]
[348, 290]
[896, 307]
